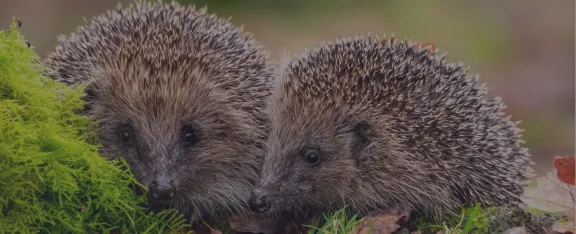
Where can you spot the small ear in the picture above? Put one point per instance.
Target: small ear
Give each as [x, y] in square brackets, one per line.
[361, 136]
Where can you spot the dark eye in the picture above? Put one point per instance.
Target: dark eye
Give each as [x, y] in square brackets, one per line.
[312, 157]
[189, 136]
[126, 134]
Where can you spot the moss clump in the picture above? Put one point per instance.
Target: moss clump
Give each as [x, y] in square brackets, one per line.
[52, 180]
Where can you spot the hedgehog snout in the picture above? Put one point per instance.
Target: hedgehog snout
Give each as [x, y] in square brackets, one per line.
[259, 201]
[162, 189]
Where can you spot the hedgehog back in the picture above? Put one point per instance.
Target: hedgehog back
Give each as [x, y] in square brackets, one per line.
[161, 38]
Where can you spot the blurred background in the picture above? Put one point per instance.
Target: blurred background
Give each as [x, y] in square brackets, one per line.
[523, 49]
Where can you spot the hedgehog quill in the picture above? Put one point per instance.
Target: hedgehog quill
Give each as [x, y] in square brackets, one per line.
[179, 94]
[386, 127]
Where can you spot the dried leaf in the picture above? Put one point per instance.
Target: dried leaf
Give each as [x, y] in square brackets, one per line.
[565, 169]
[255, 223]
[382, 223]
[550, 194]
[563, 227]
[516, 230]
[553, 193]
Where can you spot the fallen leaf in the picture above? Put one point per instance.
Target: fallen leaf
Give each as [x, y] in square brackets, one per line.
[565, 169]
[263, 223]
[382, 223]
[554, 195]
[252, 223]
[516, 230]
[550, 194]
[563, 227]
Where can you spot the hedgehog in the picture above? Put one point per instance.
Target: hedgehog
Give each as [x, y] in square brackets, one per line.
[179, 94]
[386, 127]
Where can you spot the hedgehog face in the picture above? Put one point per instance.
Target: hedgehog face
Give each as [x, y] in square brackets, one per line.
[310, 159]
[181, 142]
[151, 160]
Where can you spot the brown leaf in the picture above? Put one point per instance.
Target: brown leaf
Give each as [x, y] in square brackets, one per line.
[255, 223]
[563, 227]
[382, 223]
[565, 169]
[516, 230]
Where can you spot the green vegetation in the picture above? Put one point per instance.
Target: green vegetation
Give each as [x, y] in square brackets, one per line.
[471, 220]
[336, 222]
[52, 180]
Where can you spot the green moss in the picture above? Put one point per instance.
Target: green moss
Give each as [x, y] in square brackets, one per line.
[52, 180]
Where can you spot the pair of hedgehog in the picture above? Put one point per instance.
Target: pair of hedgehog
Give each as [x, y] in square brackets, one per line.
[196, 108]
